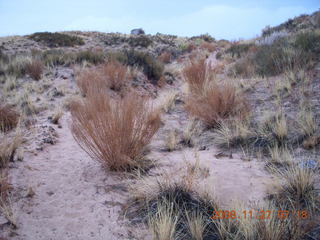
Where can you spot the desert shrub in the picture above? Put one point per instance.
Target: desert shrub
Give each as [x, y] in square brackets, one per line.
[117, 56]
[8, 147]
[274, 59]
[140, 41]
[56, 39]
[208, 46]
[112, 74]
[215, 103]
[55, 57]
[197, 73]
[8, 117]
[243, 67]
[239, 49]
[205, 37]
[308, 41]
[115, 132]
[150, 65]
[165, 57]
[35, 69]
[91, 56]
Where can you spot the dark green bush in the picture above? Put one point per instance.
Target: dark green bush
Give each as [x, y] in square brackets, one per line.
[308, 41]
[239, 49]
[205, 37]
[150, 65]
[91, 56]
[140, 41]
[56, 39]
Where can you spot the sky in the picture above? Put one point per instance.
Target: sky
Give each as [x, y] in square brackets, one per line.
[222, 19]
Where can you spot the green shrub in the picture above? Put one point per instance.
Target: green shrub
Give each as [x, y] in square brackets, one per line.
[205, 37]
[57, 57]
[239, 49]
[56, 39]
[308, 41]
[140, 41]
[94, 57]
[150, 65]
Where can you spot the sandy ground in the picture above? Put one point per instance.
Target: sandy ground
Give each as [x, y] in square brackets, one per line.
[61, 193]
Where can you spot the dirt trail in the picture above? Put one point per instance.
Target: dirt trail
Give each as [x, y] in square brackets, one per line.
[73, 197]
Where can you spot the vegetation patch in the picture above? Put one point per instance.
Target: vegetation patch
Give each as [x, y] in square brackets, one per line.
[56, 39]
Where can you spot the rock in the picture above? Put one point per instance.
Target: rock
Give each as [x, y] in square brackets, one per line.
[137, 31]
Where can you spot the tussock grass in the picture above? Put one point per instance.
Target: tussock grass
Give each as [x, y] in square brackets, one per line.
[163, 223]
[297, 189]
[171, 141]
[8, 147]
[189, 132]
[112, 75]
[115, 132]
[169, 101]
[35, 69]
[8, 117]
[197, 74]
[217, 102]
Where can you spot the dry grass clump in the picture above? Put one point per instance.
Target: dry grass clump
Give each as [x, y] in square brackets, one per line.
[186, 213]
[192, 128]
[297, 189]
[165, 57]
[115, 132]
[8, 147]
[171, 141]
[197, 74]
[8, 117]
[280, 156]
[111, 75]
[217, 102]
[169, 101]
[35, 69]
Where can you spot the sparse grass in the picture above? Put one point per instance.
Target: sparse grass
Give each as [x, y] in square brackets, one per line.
[56, 39]
[307, 122]
[217, 102]
[164, 222]
[115, 132]
[169, 101]
[58, 113]
[171, 141]
[8, 147]
[8, 117]
[26, 104]
[189, 132]
[280, 156]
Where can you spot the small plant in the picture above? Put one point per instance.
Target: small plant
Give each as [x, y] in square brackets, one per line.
[169, 101]
[8, 117]
[35, 69]
[171, 141]
[163, 223]
[56, 39]
[280, 156]
[115, 132]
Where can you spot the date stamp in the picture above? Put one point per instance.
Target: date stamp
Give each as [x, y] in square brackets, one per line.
[259, 214]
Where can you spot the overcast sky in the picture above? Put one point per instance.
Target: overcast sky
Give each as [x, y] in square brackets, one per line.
[228, 19]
